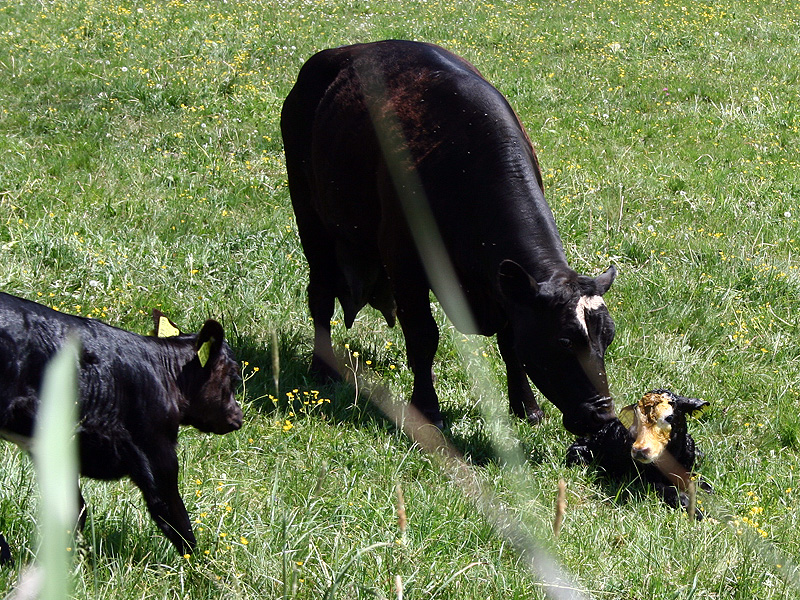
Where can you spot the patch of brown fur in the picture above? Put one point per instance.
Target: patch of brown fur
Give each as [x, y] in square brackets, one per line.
[652, 432]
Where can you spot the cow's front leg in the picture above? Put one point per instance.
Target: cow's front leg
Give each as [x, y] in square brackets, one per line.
[520, 395]
[159, 485]
[422, 338]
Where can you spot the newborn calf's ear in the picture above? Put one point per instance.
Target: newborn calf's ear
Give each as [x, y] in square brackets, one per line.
[691, 406]
[627, 415]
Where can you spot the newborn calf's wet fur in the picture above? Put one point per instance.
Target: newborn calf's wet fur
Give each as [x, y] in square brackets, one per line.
[134, 393]
[647, 436]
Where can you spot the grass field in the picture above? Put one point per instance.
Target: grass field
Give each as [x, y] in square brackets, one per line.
[142, 167]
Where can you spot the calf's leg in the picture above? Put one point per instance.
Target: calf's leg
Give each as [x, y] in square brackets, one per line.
[5, 551]
[81, 511]
[158, 481]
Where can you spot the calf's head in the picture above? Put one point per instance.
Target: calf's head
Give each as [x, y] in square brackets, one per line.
[209, 380]
[561, 331]
[656, 420]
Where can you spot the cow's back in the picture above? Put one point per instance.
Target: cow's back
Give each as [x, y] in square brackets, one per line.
[360, 115]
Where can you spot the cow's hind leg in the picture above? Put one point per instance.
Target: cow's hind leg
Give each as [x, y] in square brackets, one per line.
[321, 305]
[520, 395]
[322, 268]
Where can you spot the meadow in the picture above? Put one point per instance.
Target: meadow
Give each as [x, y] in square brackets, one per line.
[142, 167]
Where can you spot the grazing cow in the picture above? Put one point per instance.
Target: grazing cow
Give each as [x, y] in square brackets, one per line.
[134, 392]
[650, 439]
[380, 136]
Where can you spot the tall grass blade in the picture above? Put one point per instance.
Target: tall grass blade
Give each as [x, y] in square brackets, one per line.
[56, 461]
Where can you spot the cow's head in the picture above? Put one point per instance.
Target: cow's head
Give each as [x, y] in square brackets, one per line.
[209, 380]
[658, 418]
[561, 330]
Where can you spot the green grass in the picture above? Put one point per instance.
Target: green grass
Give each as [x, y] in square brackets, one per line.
[142, 167]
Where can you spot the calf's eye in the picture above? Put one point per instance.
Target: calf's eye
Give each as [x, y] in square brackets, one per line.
[565, 343]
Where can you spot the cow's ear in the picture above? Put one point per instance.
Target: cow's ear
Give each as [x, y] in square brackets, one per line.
[605, 280]
[691, 406]
[515, 283]
[209, 342]
[162, 326]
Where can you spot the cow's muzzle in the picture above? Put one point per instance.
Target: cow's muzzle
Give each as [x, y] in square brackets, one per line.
[588, 417]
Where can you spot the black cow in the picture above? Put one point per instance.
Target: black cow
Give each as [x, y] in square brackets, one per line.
[134, 392]
[373, 129]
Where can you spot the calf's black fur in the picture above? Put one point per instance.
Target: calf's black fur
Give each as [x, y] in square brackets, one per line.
[134, 393]
[612, 451]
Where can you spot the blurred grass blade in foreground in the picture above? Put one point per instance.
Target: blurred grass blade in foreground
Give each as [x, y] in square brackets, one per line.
[56, 461]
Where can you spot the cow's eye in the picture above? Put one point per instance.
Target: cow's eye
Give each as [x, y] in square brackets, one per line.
[669, 419]
[565, 343]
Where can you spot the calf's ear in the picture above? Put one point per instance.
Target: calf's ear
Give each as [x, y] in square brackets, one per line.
[515, 283]
[627, 416]
[605, 280]
[691, 406]
[209, 342]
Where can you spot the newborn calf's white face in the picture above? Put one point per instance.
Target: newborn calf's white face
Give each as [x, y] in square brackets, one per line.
[652, 426]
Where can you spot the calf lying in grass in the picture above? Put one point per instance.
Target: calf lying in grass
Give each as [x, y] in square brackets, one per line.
[134, 393]
[650, 439]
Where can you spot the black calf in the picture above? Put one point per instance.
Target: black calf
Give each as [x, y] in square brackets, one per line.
[650, 439]
[134, 391]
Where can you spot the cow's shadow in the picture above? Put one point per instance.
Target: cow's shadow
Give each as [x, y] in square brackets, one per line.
[354, 400]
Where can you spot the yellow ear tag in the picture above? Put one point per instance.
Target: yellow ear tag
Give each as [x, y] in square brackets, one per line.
[204, 351]
[626, 416]
[166, 329]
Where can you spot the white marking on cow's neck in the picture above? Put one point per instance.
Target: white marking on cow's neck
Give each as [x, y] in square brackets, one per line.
[587, 303]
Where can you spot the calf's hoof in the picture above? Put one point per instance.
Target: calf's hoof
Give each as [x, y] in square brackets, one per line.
[5, 551]
[578, 454]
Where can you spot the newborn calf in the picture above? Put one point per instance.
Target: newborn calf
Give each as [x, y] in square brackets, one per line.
[650, 439]
[134, 393]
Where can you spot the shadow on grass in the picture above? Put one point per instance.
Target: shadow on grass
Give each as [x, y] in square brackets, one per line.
[295, 383]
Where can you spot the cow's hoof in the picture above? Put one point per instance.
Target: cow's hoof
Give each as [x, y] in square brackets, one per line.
[534, 417]
[436, 419]
[324, 372]
[702, 484]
